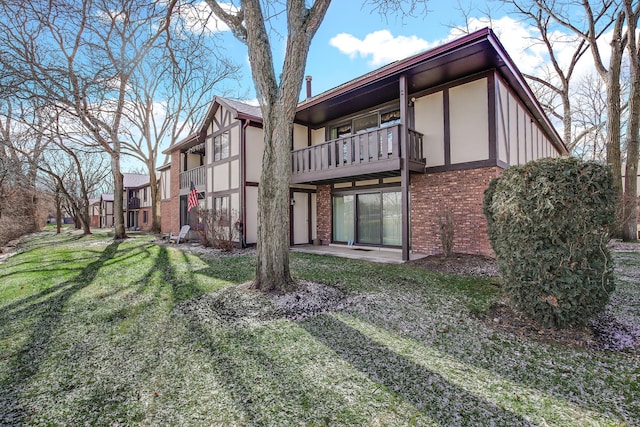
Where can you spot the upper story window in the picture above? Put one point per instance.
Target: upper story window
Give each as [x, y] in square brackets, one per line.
[366, 123]
[221, 146]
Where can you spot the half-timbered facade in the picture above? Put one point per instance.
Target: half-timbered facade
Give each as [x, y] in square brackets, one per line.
[377, 161]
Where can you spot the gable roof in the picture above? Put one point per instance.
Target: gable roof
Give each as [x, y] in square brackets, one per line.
[471, 54]
[134, 180]
[239, 109]
[474, 53]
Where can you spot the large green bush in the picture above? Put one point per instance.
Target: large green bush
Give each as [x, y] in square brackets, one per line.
[549, 226]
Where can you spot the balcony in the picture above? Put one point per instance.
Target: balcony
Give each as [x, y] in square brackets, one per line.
[376, 152]
[195, 175]
[133, 203]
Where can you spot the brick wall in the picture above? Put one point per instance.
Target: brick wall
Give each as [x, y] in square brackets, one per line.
[170, 209]
[460, 192]
[323, 205]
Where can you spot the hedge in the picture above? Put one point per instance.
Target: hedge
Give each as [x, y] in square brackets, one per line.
[548, 224]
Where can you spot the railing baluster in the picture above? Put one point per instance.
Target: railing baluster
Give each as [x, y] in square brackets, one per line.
[352, 150]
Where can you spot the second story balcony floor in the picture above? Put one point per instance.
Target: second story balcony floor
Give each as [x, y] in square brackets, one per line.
[377, 151]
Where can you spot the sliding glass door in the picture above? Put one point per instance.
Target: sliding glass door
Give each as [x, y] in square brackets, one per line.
[377, 218]
[343, 214]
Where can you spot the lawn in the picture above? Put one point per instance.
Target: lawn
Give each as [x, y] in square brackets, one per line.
[98, 332]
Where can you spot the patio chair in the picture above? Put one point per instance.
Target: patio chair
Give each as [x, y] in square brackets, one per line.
[180, 236]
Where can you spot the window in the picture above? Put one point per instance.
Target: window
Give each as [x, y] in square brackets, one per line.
[341, 131]
[145, 217]
[221, 207]
[221, 146]
[366, 123]
[390, 118]
[144, 195]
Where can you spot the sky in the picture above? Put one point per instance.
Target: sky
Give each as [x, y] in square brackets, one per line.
[354, 40]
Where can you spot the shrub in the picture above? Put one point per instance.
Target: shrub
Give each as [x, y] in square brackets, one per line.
[548, 223]
[216, 229]
[445, 223]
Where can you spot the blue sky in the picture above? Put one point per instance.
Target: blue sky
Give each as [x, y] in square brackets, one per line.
[353, 40]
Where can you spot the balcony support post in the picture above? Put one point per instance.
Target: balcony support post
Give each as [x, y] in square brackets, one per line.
[404, 169]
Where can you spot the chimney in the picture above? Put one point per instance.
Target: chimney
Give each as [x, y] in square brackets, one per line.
[308, 79]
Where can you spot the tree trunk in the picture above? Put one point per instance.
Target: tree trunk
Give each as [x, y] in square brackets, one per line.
[85, 217]
[118, 196]
[612, 80]
[630, 224]
[155, 202]
[272, 269]
[278, 103]
[58, 211]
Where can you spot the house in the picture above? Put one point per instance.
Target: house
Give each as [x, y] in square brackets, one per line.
[378, 160]
[106, 211]
[136, 204]
[137, 201]
[94, 213]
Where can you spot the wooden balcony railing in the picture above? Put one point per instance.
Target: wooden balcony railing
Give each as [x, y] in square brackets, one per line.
[195, 175]
[367, 152]
[133, 203]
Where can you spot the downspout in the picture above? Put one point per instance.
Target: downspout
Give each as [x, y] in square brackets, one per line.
[404, 165]
[243, 179]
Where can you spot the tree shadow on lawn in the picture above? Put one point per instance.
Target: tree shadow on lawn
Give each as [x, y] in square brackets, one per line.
[595, 381]
[428, 391]
[267, 387]
[25, 364]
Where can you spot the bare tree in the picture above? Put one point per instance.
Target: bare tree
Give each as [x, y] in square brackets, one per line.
[589, 134]
[586, 25]
[630, 224]
[18, 149]
[278, 98]
[74, 171]
[170, 90]
[80, 56]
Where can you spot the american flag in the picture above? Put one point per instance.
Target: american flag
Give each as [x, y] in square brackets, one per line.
[192, 202]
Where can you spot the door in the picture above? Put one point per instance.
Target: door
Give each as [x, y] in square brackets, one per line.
[301, 218]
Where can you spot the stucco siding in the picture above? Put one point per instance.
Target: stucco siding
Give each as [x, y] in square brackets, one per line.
[254, 151]
[469, 118]
[429, 120]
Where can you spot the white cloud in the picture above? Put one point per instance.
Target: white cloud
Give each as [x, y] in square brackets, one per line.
[381, 46]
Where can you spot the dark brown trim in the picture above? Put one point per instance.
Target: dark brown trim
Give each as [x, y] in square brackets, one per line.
[291, 239]
[493, 123]
[404, 173]
[243, 177]
[251, 184]
[502, 164]
[446, 107]
[462, 166]
[387, 188]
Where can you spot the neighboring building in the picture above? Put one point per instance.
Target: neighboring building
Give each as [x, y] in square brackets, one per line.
[94, 213]
[106, 211]
[137, 201]
[136, 205]
[377, 160]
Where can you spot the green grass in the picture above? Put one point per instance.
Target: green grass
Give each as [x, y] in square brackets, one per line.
[98, 332]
